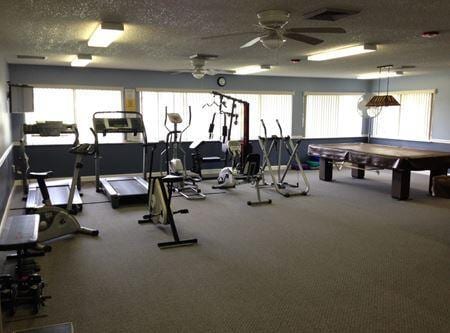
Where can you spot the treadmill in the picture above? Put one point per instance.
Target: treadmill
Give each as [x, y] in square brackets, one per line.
[124, 189]
[59, 190]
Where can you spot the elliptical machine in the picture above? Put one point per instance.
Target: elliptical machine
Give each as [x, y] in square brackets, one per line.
[55, 221]
[175, 164]
[277, 144]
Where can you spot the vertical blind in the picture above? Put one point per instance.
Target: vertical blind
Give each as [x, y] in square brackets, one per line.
[409, 121]
[332, 116]
[262, 106]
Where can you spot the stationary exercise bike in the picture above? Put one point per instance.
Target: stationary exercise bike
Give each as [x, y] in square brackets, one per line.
[55, 221]
[159, 201]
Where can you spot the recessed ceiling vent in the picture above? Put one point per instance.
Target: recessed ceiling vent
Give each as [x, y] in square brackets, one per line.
[25, 56]
[329, 14]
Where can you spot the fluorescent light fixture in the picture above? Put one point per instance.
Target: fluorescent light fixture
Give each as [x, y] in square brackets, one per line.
[252, 69]
[105, 34]
[343, 52]
[81, 60]
[377, 75]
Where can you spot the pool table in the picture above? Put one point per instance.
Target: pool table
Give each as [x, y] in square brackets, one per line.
[401, 160]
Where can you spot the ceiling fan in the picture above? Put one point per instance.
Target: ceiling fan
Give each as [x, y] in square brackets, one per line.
[273, 34]
[198, 62]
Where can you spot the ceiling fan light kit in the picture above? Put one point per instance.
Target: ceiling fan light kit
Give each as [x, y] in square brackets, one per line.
[343, 52]
[273, 41]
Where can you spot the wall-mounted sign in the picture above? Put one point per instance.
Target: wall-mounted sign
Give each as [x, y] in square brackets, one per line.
[130, 99]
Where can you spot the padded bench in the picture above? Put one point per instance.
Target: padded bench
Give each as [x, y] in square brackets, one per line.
[19, 232]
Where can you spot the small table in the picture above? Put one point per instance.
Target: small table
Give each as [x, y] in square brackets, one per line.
[400, 160]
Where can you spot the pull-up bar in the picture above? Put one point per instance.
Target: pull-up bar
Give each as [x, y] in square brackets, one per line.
[216, 93]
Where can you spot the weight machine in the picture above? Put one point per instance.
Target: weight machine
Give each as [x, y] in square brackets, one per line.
[245, 165]
[230, 118]
[278, 144]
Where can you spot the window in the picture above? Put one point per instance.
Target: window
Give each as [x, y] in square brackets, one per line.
[51, 105]
[262, 106]
[332, 116]
[89, 101]
[409, 121]
[72, 106]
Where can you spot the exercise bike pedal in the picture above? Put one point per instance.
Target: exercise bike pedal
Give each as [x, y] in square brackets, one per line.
[181, 211]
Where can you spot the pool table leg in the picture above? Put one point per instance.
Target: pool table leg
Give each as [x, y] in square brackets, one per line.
[326, 169]
[359, 171]
[400, 184]
[436, 172]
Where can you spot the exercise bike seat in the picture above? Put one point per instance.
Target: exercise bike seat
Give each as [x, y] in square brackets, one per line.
[172, 179]
[42, 175]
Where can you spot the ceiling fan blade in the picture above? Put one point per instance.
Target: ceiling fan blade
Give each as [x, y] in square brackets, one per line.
[325, 30]
[230, 35]
[303, 38]
[251, 42]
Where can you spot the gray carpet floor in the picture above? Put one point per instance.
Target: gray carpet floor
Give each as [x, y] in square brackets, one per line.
[346, 258]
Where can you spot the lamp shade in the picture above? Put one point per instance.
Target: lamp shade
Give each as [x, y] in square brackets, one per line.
[384, 100]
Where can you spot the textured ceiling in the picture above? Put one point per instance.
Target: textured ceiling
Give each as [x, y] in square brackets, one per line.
[160, 35]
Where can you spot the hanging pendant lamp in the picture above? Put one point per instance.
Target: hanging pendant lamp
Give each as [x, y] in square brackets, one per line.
[379, 100]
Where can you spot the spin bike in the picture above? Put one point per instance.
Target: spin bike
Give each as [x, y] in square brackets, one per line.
[175, 165]
[55, 221]
[159, 204]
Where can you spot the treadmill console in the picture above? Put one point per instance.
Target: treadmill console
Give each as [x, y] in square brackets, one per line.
[131, 123]
[49, 128]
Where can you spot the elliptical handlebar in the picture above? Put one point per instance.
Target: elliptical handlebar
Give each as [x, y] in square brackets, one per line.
[165, 119]
[264, 127]
[279, 126]
[189, 123]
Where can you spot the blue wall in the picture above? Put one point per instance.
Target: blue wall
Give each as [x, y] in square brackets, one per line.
[27, 74]
[6, 156]
[43, 157]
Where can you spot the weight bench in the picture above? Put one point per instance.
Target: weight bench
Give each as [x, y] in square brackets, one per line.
[20, 234]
